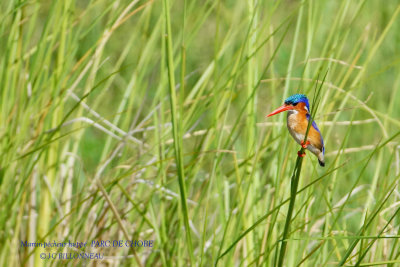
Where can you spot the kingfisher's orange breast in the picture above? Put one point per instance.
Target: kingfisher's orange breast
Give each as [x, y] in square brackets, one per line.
[298, 123]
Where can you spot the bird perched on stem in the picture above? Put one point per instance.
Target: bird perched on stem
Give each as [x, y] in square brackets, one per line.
[297, 121]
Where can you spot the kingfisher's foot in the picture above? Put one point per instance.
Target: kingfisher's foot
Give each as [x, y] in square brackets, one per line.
[304, 145]
[300, 154]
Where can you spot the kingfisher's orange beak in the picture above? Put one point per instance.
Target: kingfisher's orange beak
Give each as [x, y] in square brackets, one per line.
[280, 109]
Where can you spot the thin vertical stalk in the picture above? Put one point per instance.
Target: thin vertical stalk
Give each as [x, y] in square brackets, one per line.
[293, 190]
[252, 73]
[175, 130]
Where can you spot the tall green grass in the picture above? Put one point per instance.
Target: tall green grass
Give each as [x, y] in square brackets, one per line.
[144, 120]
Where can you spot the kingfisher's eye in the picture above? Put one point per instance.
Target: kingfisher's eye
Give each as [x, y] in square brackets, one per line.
[294, 104]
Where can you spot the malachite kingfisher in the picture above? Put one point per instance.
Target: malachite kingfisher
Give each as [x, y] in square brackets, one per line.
[297, 121]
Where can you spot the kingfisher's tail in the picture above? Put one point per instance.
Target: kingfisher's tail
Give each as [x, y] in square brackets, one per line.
[321, 159]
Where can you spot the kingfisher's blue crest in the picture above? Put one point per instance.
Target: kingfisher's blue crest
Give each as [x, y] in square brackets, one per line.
[297, 98]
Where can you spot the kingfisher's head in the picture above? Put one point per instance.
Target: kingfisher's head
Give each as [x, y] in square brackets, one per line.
[297, 102]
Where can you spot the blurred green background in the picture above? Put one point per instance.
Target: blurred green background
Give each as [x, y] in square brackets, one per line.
[145, 120]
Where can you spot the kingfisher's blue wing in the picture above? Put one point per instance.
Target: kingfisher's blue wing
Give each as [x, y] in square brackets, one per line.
[314, 125]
